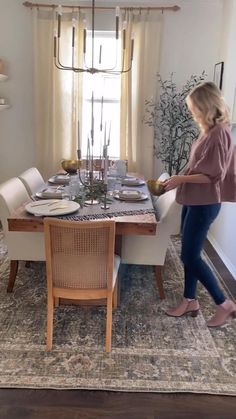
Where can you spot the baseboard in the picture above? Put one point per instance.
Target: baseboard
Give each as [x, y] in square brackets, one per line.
[224, 258]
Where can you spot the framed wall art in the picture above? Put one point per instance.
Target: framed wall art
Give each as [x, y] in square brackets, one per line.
[218, 74]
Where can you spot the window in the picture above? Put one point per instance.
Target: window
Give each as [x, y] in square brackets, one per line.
[106, 86]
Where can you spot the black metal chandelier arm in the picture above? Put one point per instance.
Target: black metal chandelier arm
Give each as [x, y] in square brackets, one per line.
[57, 65]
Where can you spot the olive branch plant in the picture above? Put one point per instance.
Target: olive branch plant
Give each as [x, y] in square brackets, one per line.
[174, 128]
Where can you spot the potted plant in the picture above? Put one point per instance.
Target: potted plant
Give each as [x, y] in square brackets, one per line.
[174, 128]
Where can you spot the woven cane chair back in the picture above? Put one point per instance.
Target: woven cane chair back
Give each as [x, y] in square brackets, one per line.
[81, 254]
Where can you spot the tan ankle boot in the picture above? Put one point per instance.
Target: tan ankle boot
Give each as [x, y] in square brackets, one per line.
[223, 312]
[185, 307]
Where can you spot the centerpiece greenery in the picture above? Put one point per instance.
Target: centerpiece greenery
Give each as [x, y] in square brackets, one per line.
[174, 128]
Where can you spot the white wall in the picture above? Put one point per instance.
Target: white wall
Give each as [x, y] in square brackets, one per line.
[185, 50]
[16, 123]
[191, 39]
[223, 232]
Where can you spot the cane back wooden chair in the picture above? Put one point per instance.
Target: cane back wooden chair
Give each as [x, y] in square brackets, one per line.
[81, 265]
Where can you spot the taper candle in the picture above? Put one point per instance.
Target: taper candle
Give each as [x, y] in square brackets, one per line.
[79, 144]
[105, 165]
[109, 135]
[101, 122]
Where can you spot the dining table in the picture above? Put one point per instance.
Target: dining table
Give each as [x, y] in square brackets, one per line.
[131, 218]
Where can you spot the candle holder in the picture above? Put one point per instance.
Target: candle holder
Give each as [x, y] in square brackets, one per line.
[104, 205]
[94, 187]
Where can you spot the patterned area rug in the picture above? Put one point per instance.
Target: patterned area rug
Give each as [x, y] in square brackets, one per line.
[151, 352]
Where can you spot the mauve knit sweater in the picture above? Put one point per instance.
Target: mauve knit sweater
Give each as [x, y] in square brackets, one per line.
[214, 155]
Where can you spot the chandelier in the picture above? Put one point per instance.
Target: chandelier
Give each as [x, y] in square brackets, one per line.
[92, 70]
[127, 52]
[91, 182]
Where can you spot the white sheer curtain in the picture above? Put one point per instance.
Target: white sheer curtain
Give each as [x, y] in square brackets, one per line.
[137, 86]
[57, 94]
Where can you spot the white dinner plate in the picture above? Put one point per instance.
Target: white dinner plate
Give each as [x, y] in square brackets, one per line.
[49, 194]
[52, 207]
[126, 197]
[60, 179]
[132, 181]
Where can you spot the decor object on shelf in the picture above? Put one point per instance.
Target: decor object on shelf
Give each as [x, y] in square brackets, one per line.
[1, 66]
[174, 128]
[218, 74]
[3, 77]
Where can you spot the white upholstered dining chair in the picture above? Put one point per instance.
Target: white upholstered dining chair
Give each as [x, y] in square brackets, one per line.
[151, 250]
[26, 246]
[81, 265]
[32, 179]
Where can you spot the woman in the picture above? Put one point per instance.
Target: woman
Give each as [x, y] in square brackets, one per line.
[208, 180]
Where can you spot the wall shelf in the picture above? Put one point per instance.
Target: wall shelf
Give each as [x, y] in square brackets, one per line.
[3, 77]
[2, 107]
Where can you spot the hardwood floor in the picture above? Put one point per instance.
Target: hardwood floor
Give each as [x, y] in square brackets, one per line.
[82, 404]
[48, 404]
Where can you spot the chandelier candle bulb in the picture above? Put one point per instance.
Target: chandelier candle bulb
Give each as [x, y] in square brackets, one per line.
[73, 32]
[59, 10]
[84, 36]
[58, 25]
[55, 43]
[73, 37]
[117, 21]
[74, 22]
[124, 39]
[100, 54]
[132, 49]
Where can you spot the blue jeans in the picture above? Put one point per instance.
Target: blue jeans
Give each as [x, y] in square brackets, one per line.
[195, 223]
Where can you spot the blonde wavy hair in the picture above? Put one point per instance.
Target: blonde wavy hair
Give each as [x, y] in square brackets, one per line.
[208, 100]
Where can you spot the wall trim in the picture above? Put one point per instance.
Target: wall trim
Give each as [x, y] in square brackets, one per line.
[222, 255]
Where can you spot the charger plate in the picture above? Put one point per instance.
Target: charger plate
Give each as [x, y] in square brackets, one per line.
[132, 181]
[60, 179]
[52, 207]
[49, 194]
[123, 196]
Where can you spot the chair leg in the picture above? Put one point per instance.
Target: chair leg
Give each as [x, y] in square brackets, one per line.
[158, 273]
[109, 323]
[13, 272]
[49, 322]
[115, 296]
[56, 301]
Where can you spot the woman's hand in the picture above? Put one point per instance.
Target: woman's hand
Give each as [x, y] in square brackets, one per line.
[172, 182]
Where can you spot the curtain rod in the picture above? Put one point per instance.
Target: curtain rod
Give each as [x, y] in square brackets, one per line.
[53, 6]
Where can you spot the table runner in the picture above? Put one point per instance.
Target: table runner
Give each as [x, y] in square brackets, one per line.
[117, 208]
